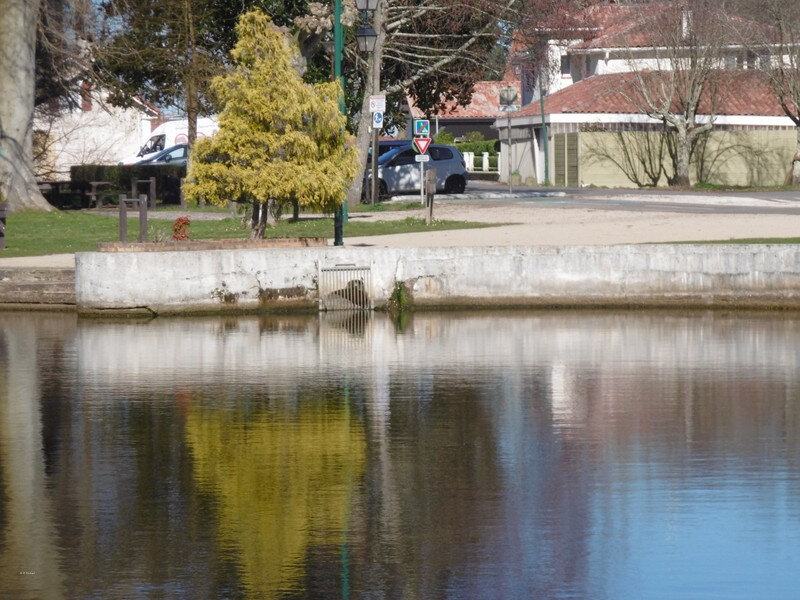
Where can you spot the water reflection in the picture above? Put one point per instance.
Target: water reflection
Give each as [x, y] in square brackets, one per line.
[284, 483]
[516, 455]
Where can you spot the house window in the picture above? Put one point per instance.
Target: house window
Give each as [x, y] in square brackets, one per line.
[765, 61]
[730, 62]
[565, 65]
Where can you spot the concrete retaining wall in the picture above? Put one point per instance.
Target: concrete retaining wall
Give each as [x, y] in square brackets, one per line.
[165, 282]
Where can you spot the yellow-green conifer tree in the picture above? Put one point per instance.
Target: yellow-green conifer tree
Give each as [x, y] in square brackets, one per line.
[280, 140]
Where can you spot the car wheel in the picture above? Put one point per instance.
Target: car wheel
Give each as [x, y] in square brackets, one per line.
[455, 184]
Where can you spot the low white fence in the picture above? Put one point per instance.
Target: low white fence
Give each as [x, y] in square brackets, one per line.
[469, 158]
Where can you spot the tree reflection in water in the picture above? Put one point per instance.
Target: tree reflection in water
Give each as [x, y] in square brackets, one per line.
[283, 483]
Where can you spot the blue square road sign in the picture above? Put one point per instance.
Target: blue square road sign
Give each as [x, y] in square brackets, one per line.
[422, 128]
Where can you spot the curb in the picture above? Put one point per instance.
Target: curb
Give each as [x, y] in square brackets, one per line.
[485, 196]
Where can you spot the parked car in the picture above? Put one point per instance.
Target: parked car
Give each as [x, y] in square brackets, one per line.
[170, 134]
[174, 155]
[398, 170]
[385, 146]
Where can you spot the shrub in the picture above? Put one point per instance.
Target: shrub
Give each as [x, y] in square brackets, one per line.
[490, 146]
[444, 137]
[180, 229]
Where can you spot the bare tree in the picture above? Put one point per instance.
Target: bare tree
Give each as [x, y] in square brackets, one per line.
[18, 23]
[677, 69]
[774, 32]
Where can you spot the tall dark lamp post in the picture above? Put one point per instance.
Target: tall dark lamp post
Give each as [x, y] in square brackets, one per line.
[366, 38]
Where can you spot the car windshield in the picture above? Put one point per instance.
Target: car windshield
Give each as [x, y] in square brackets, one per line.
[385, 158]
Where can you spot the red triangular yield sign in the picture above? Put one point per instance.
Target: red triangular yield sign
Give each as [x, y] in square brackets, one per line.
[422, 144]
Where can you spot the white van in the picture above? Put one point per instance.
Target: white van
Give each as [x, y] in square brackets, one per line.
[172, 133]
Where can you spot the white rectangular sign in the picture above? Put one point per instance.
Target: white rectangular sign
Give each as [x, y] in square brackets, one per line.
[377, 104]
[422, 157]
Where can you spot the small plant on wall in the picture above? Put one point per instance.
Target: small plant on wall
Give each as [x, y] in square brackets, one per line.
[180, 229]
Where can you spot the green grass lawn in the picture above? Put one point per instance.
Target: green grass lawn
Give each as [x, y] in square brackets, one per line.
[35, 233]
[791, 240]
[715, 187]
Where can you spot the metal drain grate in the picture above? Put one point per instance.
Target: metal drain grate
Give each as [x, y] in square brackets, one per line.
[345, 287]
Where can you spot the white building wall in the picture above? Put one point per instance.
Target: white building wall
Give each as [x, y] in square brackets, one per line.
[101, 135]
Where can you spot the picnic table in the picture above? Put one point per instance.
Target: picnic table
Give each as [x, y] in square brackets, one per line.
[94, 193]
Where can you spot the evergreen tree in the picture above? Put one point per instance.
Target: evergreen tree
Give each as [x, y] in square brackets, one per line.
[165, 51]
[280, 140]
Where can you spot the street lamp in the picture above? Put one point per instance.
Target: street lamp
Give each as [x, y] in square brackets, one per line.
[366, 38]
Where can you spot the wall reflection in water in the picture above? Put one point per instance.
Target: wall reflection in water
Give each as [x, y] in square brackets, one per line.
[514, 455]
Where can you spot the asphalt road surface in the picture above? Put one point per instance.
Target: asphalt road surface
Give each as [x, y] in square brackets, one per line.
[660, 200]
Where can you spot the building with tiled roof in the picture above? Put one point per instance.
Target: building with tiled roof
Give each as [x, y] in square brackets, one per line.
[595, 113]
[479, 115]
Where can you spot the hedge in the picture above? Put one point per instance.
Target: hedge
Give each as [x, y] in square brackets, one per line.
[168, 178]
[490, 146]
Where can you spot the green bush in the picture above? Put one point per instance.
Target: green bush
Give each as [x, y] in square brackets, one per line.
[490, 146]
[474, 136]
[168, 178]
[444, 137]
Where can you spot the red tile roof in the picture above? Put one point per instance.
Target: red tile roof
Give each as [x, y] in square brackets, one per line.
[632, 25]
[620, 25]
[485, 103]
[739, 93]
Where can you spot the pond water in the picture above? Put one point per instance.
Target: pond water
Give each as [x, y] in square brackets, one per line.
[486, 455]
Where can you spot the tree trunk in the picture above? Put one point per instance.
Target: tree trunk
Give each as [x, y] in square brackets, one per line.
[271, 210]
[365, 122]
[258, 220]
[191, 110]
[796, 161]
[192, 100]
[18, 20]
[683, 148]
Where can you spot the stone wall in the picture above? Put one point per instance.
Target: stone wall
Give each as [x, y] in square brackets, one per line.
[647, 275]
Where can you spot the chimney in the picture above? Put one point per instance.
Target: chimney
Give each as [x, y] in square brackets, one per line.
[686, 22]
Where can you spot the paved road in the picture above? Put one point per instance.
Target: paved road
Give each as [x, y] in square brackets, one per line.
[684, 201]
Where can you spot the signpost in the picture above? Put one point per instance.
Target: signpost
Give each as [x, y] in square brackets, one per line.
[508, 103]
[422, 128]
[421, 145]
[377, 106]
